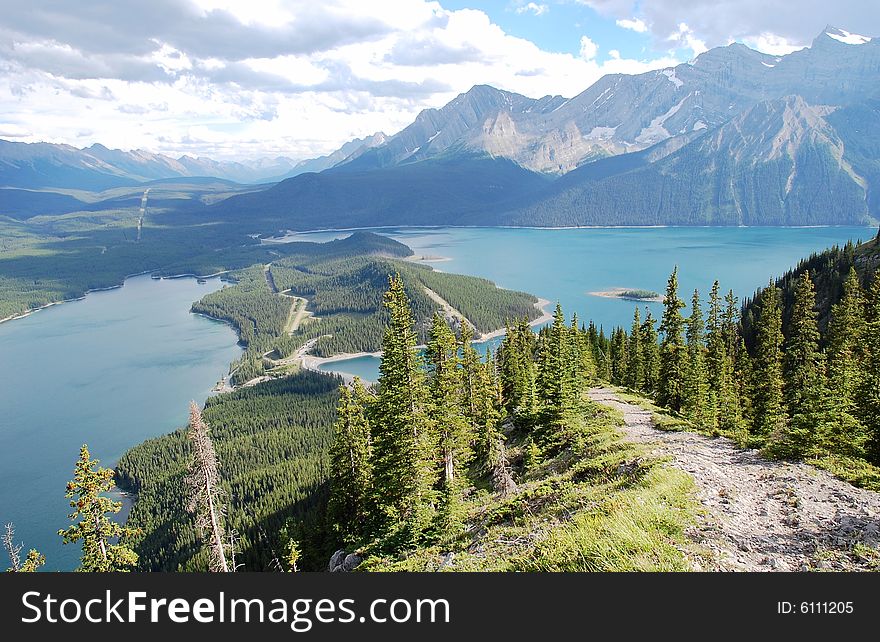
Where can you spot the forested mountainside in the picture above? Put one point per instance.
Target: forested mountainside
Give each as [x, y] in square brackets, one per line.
[460, 189]
[829, 271]
[273, 440]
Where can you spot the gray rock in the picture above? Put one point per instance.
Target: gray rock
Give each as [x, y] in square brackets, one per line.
[351, 562]
[336, 561]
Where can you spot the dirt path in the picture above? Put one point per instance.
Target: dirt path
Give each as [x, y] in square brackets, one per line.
[762, 515]
[451, 315]
[298, 312]
[141, 214]
[270, 278]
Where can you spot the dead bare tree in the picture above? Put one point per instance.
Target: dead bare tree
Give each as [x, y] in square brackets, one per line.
[12, 550]
[32, 562]
[502, 477]
[205, 493]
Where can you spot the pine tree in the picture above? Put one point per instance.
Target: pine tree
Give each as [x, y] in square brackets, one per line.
[95, 529]
[804, 377]
[651, 355]
[351, 503]
[619, 357]
[593, 339]
[717, 361]
[769, 411]
[554, 381]
[518, 370]
[604, 362]
[635, 364]
[870, 393]
[481, 403]
[402, 430]
[32, 562]
[696, 376]
[454, 434]
[673, 353]
[845, 433]
[206, 496]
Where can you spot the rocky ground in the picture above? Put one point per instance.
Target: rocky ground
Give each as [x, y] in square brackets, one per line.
[762, 515]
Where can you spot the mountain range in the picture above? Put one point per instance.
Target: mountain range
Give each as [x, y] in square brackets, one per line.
[733, 137]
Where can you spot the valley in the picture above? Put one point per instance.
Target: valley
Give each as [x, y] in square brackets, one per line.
[631, 329]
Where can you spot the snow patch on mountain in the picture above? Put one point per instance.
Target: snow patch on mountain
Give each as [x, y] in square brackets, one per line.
[670, 74]
[846, 37]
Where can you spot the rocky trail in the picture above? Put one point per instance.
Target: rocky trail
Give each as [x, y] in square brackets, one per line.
[761, 515]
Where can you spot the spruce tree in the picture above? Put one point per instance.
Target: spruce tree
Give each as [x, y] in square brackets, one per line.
[91, 524]
[769, 410]
[804, 377]
[587, 361]
[717, 360]
[454, 435]
[635, 364]
[845, 433]
[403, 442]
[618, 357]
[696, 376]
[351, 503]
[673, 353]
[518, 370]
[593, 338]
[870, 394]
[651, 355]
[554, 381]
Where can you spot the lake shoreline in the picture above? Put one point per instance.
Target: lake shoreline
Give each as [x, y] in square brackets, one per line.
[280, 239]
[314, 363]
[24, 315]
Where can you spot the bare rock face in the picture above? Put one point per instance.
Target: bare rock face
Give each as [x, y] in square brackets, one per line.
[336, 561]
[621, 113]
[342, 562]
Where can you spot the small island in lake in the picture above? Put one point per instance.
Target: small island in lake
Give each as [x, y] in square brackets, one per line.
[630, 294]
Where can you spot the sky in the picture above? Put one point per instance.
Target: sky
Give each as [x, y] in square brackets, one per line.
[230, 79]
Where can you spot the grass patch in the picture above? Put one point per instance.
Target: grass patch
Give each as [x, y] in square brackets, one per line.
[594, 502]
[857, 472]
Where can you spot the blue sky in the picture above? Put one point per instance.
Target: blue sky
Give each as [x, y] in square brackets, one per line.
[559, 26]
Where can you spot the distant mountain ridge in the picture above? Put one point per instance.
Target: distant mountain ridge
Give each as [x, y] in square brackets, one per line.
[95, 168]
[733, 137]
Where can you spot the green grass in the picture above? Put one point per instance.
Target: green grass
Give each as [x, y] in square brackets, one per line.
[857, 472]
[663, 418]
[591, 502]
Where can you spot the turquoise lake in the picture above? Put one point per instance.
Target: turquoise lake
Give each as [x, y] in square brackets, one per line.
[111, 370]
[565, 265]
[121, 366]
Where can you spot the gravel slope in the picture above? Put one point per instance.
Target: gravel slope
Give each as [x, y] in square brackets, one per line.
[762, 515]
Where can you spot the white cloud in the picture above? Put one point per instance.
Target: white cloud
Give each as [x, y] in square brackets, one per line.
[589, 49]
[685, 37]
[614, 53]
[635, 24]
[772, 44]
[717, 22]
[130, 74]
[537, 9]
